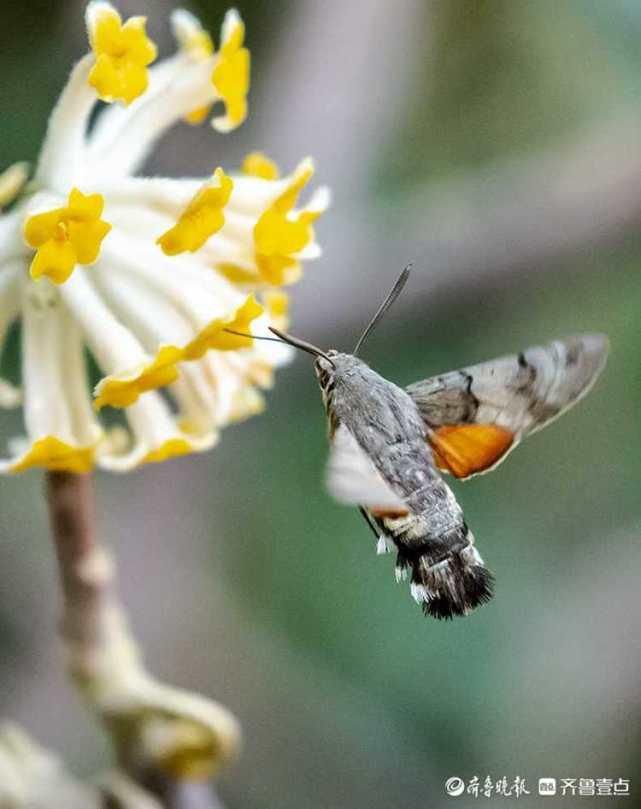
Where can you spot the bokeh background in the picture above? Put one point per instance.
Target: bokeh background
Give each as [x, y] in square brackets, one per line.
[497, 145]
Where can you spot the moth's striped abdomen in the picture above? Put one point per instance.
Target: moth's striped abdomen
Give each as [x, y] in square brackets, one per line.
[446, 572]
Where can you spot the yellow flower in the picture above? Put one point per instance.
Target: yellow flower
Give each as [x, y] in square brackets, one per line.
[51, 453]
[65, 237]
[231, 74]
[122, 53]
[257, 164]
[231, 66]
[202, 217]
[278, 237]
[153, 312]
[282, 236]
[123, 390]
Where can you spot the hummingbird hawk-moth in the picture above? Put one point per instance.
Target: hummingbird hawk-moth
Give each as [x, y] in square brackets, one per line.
[389, 447]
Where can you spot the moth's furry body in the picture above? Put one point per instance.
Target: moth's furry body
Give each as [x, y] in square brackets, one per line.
[433, 542]
[389, 445]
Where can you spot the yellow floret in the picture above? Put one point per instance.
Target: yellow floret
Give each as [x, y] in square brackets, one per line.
[52, 453]
[172, 448]
[279, 235]
[231, 74]
[217, 334]
[202, 217]
[122, 52]
[124, 391]
[257, 164]
[65, 237]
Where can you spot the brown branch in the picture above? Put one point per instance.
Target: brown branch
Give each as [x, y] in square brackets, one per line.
[72, 516]
[162, 736]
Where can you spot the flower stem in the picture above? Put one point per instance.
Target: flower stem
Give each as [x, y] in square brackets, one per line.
[163, 737]
[72, 516]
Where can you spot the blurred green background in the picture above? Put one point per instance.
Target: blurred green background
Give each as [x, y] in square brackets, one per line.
[497, 146]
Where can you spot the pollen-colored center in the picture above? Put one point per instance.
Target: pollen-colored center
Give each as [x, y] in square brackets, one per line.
[65, 237]
[231, 75]
[202, 217]
[123, 53]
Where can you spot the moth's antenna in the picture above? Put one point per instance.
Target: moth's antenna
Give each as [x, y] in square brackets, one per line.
[389, 300]
[298, 343]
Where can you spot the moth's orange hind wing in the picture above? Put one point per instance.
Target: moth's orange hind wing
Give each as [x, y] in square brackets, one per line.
[468, 449]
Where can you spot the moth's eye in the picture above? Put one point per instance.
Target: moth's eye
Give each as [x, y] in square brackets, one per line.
[321, 366]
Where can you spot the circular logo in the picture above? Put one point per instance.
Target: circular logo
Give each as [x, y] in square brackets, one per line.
[455, 786]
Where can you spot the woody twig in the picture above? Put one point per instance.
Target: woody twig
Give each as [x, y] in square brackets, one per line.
[163, 737]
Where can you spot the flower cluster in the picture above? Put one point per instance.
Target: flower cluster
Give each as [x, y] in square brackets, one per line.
[149, 277]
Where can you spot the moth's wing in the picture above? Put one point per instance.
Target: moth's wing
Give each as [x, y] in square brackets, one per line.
[475, 416]
[353, 479]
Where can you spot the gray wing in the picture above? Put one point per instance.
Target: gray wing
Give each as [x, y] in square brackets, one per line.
[510, 397]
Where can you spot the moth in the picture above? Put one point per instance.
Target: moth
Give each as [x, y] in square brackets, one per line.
[390, 446]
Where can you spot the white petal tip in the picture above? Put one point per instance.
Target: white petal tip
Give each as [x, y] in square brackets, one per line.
[306, 166]
[183, 21]
[231, 20]
[309, 252]
[96, 8]
[320, 200]
[223, 124]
